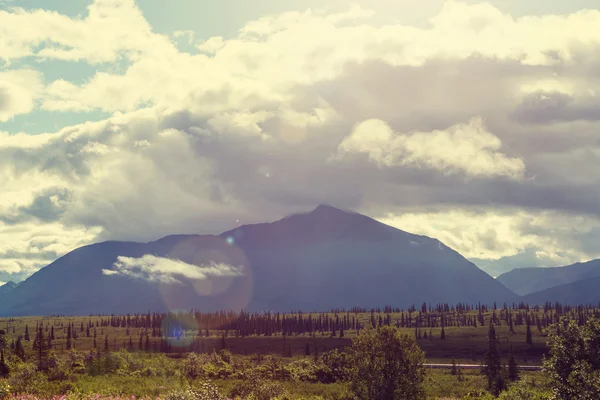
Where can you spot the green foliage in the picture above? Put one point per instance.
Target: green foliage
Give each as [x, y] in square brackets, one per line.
[386, 364]
[492, 364]
[5, 390]
[205, 391]
[520, 391]
[574, 363]
[333, 366]
[254, 387]
[513, 369]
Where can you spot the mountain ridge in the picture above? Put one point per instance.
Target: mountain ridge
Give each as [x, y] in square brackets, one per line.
[524, 281]
[316, 260]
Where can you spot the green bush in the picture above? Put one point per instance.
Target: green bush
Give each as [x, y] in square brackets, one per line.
[205, 391]
[257, 388]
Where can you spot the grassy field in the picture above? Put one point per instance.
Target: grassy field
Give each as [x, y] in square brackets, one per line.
[465, 344]
[117, 363]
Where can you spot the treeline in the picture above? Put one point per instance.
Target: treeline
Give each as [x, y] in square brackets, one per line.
[152, 330]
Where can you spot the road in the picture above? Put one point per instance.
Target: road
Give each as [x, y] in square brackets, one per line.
[477, 366]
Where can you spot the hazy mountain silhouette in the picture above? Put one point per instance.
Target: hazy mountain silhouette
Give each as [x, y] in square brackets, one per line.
[524, 281]
[313, 261]
[7, 287]
[584, 291]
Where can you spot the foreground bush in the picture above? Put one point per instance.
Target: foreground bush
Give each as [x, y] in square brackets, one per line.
[574, 363]
[386, 364]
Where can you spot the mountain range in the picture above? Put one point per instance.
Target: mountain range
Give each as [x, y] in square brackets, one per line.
[323, 259]
[326, 258]
[524, 281]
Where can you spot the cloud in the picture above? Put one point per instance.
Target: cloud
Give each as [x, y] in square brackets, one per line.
[464, 148]
[534, 239]
[18, 92]
[50, 35]
[242, 131]
[166, 270]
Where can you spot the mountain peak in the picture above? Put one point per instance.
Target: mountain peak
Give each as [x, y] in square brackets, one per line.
[326, 208]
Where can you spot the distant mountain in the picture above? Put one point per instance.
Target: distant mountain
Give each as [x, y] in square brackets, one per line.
[7, 287]
[524, 281]
[327, 258]
[584, 291]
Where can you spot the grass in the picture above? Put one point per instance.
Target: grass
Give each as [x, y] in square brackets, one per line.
[466, 345]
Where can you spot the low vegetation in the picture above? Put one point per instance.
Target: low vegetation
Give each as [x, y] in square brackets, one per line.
[376, 361]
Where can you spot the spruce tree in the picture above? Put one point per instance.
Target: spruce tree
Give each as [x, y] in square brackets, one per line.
[528, 337]
[513, 369]
[68, 338]
[147, 344]
[492, 363]
[106, 343]
[27, 333]
[41, 348]
[4, 370]
[19, 350]
[454, 369]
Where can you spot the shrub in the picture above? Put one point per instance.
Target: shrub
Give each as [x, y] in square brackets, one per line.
[574, 363]
[386, 364]
[257, 388]
[205, 391]
[4, 390]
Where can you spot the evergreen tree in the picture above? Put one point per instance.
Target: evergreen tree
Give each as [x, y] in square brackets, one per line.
[130, 346]
[41, 348]
[492, 364]
[69, 338]
[19, 350]
[27, 333]
[454, 369]
[147, 344]
[513, 369]
[141, 343]
[4, 370]
[307, 349]
[106, 343]
[443, 335]
[528, 337]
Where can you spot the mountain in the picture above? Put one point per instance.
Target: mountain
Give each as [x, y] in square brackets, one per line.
[524, 281]
[584, 291]
[7, 287]
[327, 258]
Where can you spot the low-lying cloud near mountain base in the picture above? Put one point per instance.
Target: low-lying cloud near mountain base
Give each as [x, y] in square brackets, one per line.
[166, 270]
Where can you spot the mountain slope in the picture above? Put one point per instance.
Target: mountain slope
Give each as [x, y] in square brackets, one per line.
[314, 261]
[524, 281]
[7, 287]
[584, 291]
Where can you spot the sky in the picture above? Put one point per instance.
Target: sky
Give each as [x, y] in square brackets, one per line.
[473, 122]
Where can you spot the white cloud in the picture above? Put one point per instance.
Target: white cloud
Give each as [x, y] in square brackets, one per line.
[187, 35]
[199, 133]
[18, 92]
[466, 148]
[166, 270]
[28, 246]
[124, 32]
[555, 238]
[211, 45]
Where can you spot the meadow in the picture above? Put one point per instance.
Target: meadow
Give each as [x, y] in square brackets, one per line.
[294, 355]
